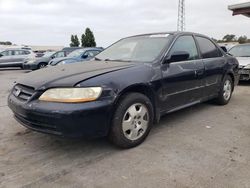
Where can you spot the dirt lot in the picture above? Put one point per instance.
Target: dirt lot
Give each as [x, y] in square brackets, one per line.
[202, 146]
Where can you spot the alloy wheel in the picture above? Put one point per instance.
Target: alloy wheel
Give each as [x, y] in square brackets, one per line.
[227, 90]
[135, 121]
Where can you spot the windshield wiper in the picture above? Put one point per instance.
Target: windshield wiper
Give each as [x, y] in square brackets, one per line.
[119, 60]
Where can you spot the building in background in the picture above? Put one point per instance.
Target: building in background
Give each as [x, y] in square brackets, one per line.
[240, 9]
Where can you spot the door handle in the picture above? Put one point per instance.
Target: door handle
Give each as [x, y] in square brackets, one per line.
[199, 73]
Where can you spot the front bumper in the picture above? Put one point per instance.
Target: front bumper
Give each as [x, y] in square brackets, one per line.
[70, 120]
[244, 74]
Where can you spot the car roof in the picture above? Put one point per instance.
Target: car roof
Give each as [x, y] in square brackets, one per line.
[89, 48]
[93, 48]
[17, 49]
[71, 49]
[170, 33]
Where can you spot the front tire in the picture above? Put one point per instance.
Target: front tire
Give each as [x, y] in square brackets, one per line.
[42, 65]
[226, 91]
[132, 120]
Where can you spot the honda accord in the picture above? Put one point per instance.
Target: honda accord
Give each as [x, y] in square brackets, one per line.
[126, 88]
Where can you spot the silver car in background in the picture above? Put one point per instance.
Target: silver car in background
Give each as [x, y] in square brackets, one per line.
[14, 57]
[242, 53]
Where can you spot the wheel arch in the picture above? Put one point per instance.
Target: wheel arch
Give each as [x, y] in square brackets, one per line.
[42, 62]
[232, 77]
[145, 90]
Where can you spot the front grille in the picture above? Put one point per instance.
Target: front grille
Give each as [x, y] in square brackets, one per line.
[22, 92]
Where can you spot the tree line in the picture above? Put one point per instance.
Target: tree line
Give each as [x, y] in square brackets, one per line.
[233, 38]
[5, 43]
[87, 39]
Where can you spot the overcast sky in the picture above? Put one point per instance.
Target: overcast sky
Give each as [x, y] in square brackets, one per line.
[51, 22]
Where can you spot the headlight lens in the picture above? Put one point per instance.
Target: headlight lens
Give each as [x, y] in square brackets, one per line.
[247, 67]
[62, 63]
[71, 95]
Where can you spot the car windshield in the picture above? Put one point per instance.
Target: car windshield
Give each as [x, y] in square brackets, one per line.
[48, 54]
[240, 51]
[139, 48]
[76, 53]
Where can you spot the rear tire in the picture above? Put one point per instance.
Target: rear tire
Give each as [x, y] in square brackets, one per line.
[226, 91]
[132, 120]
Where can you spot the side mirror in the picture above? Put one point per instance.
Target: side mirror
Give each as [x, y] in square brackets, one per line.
[224, 48]
[84, 56]
[1, 55]
[178, 56]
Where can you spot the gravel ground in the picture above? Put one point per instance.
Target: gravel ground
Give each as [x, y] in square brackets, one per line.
[202, 146]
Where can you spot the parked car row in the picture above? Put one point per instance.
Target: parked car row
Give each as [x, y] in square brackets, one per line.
[26, 59]
[76, 56]
[126, 88]
[38, 63]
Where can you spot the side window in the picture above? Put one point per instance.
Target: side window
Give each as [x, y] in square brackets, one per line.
[208, 49]
[6, 53]
[59, 54]
[187, 44]
[13, 52]
[18, 52]
[91, 53]
[26, 52]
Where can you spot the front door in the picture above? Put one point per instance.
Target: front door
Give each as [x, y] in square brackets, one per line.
[182, 83]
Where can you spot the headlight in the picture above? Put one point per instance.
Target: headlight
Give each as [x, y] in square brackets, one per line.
[247, 67]
[71, 95]
[62, 63]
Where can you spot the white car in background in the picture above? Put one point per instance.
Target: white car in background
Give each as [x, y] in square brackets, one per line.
[242, 53]
[14, 57]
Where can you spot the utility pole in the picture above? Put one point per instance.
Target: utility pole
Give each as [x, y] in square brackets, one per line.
[181, 16]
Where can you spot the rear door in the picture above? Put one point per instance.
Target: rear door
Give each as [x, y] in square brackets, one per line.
[183, 80]
[214, 62]
[17, 57]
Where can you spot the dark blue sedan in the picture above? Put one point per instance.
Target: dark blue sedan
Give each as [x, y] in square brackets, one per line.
[126, 88]
[84, 54]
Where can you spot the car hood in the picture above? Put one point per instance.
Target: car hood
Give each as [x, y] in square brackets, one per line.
[243, 61]
[57, 60]
[70, 74]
